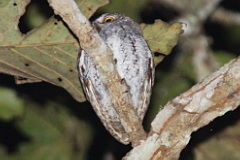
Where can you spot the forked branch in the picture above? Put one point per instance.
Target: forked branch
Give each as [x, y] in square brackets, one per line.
[171, 130]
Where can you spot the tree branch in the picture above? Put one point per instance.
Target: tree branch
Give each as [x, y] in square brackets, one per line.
[194, 40]
[101, 55]
[226, 17]
[171, 129]
[202, 56]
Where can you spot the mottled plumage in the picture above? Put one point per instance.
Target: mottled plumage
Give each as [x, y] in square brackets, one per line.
[134, 63]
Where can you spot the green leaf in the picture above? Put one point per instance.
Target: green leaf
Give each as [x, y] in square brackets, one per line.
[53, 134]
[186, 67]
[10, 104]
[161, 37]
[223, 57]
[47, 53]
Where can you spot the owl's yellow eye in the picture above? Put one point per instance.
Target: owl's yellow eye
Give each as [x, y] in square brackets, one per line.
[108, 19]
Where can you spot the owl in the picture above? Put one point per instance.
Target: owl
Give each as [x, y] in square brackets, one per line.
[134, 63]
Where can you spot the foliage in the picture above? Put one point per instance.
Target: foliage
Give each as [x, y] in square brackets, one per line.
[52, 133]
[48, 53]
[10, 105]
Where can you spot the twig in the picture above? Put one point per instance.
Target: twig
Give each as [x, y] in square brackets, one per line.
[194, 40]
[225, 16]
[101, 55]
[171, 129]
[203, 60]
[200, 8]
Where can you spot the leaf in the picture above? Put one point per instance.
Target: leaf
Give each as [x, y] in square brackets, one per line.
[161, 37]
[53, 134]
[10, 105]
[47, 53]
[222, 57]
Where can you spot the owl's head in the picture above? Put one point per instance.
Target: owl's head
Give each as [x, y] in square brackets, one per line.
[114, 19]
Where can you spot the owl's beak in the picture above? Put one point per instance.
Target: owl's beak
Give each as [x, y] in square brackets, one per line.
[97, 26]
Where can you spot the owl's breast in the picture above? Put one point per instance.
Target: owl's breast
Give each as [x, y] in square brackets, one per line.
[131, 56]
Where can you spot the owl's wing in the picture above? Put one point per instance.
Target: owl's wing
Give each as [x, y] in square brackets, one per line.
[144, 98]
[86, 84]
[97, 95]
